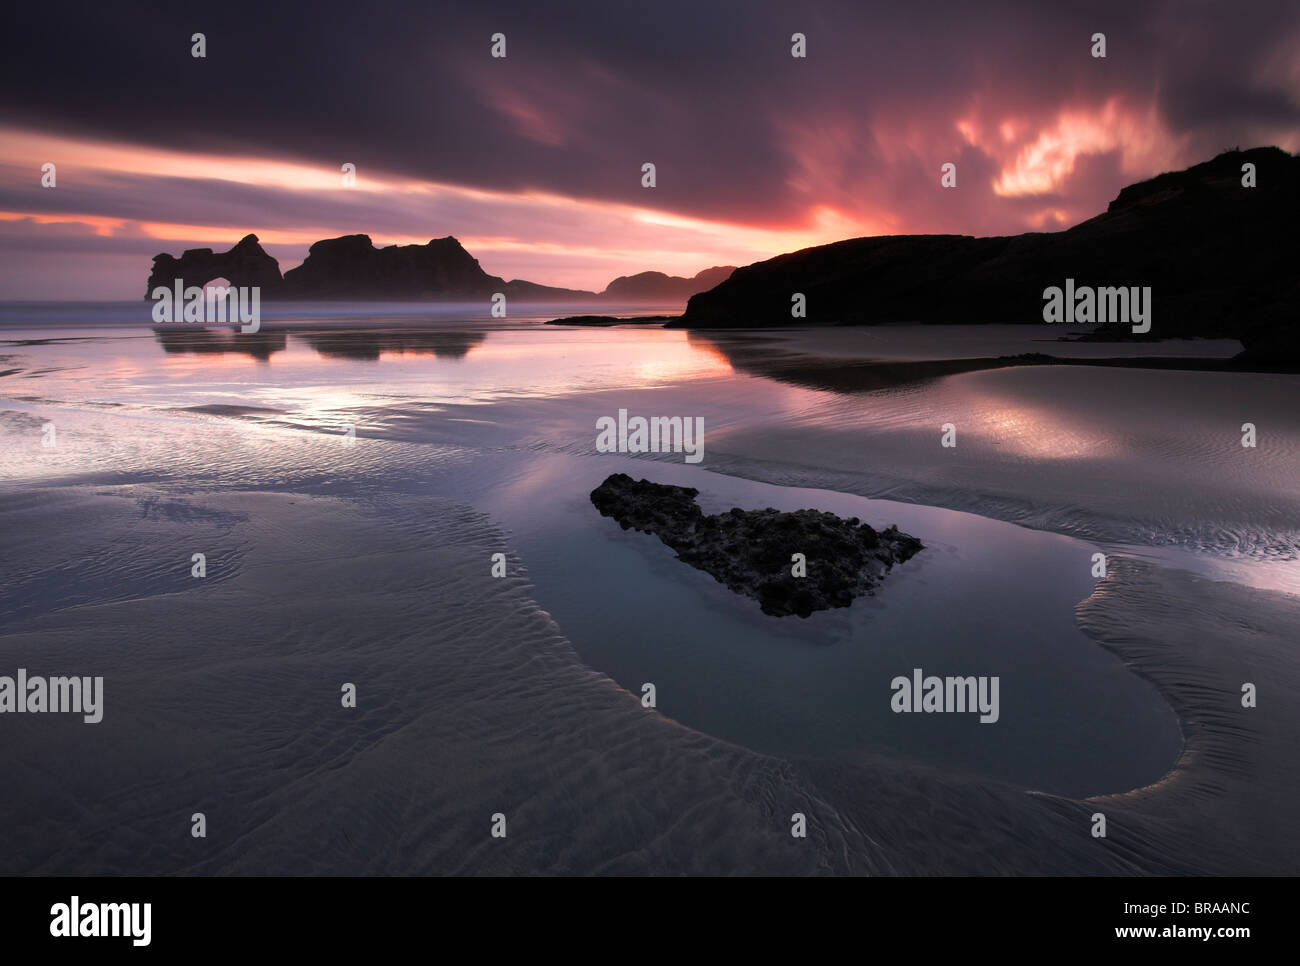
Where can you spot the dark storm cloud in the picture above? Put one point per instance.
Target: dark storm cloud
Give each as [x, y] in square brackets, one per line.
[588, 92]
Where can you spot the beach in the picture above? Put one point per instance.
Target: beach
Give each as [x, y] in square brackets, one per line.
[349, 472]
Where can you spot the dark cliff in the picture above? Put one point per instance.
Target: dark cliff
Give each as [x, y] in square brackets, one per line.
[1220, 259]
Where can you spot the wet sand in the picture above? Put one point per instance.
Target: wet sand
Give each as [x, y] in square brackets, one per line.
[370, 564]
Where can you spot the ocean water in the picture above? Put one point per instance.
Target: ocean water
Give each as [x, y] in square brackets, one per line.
[370, 563]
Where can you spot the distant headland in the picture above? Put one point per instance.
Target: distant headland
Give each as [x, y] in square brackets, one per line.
[1216, 247]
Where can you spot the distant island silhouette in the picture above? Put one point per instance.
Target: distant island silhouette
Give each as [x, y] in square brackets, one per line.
[351, 267]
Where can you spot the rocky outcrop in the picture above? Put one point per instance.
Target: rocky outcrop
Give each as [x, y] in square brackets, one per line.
[750, 550]
[351, 267]
[1219, 257]
[656, 286]
[244, 265]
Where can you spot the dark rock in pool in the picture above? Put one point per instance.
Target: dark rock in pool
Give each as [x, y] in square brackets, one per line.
[750, 550]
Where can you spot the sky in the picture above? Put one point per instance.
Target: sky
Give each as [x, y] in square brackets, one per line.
[534, 161]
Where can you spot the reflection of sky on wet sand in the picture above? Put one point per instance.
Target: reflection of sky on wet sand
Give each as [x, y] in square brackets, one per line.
[301, 367]
[1124, 456]
[1033, 432]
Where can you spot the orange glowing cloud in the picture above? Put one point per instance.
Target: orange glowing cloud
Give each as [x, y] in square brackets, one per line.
[1040, 161]
[548, 237]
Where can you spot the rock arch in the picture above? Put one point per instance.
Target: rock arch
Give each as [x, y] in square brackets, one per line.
[245, 265]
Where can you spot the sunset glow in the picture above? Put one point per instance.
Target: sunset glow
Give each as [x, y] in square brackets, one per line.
[534, 161]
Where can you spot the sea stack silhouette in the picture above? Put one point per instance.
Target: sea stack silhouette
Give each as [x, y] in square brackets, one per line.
[351, 267]
[246, 264]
